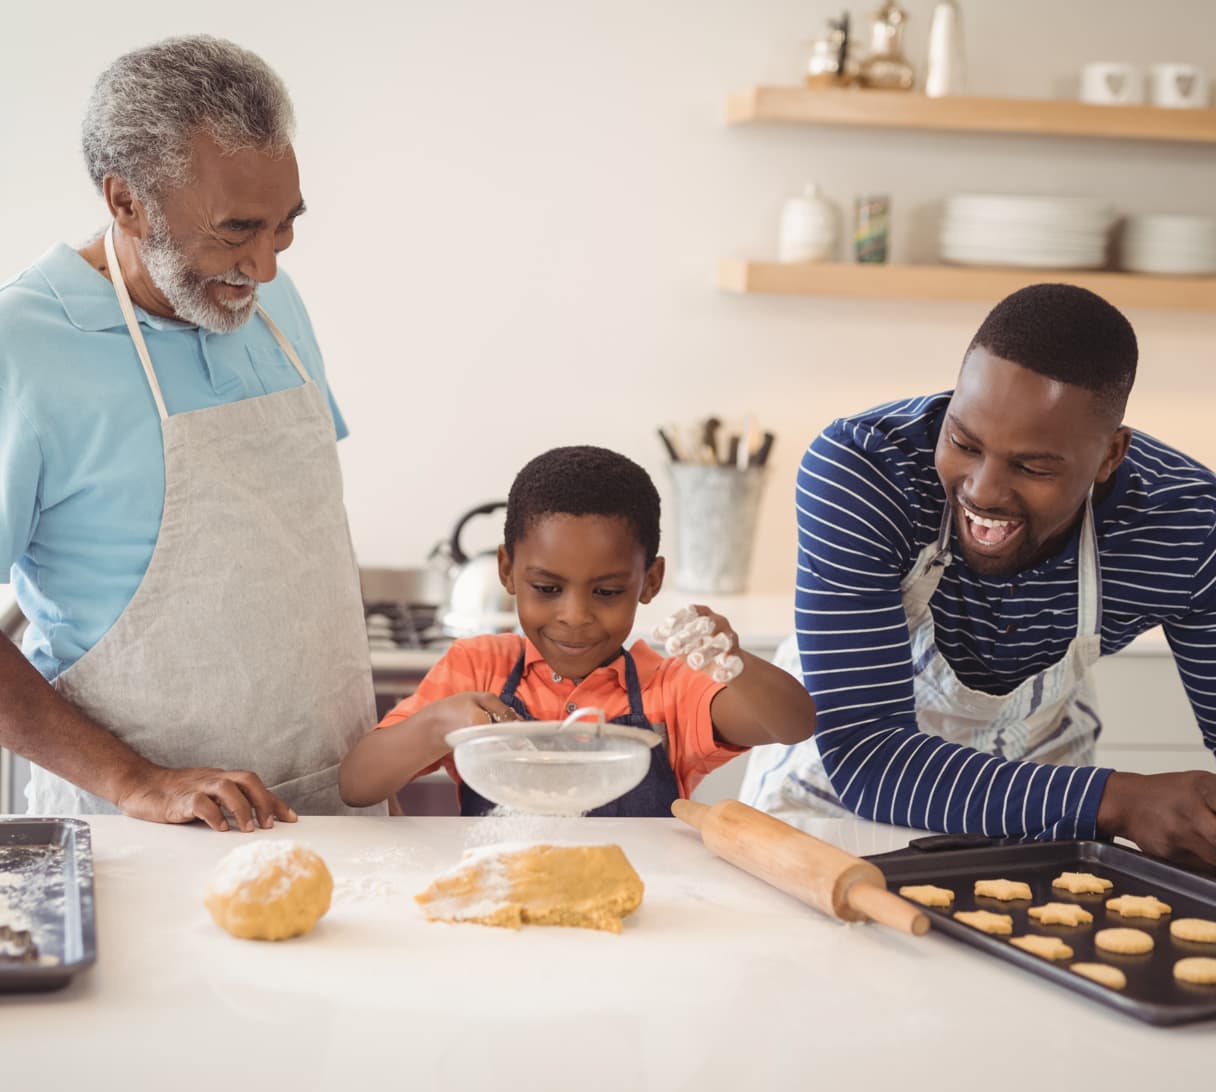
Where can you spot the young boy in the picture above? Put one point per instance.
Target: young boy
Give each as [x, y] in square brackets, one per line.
[580, 553]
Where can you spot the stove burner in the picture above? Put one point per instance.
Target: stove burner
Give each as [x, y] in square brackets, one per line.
[393, 625]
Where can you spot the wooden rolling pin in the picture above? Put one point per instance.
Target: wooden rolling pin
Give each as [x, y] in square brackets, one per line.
[818, 873]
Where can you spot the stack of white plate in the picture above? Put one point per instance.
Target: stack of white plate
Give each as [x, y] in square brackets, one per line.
[1036, 232]
[1169, 244]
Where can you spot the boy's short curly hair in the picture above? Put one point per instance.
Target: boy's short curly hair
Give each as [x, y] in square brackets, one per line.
[584, 481]
[1068, 334]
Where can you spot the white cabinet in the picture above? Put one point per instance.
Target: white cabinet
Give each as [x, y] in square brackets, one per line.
[1147, 722]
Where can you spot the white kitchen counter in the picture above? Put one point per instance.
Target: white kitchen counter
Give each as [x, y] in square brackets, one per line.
[717, 982]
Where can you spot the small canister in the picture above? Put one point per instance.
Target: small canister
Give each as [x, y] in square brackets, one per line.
[872, 215]
[810, 228]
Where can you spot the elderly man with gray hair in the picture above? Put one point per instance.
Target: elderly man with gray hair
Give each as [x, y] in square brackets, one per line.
[170, 497]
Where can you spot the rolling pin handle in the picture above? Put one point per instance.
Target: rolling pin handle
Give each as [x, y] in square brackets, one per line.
[879, 904]
[691, 812]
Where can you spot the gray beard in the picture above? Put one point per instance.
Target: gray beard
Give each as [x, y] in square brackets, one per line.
[185, 290]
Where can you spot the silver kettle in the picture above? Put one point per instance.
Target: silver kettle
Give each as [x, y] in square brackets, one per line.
[477, 601]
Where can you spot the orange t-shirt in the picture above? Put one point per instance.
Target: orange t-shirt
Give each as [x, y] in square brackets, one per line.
[673, 694]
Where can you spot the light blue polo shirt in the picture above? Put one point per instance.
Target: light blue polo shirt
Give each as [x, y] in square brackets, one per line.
[82, 471]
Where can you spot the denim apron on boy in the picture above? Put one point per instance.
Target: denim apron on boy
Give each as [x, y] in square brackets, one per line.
[1049, 718]
[244, 646]
[651, 798]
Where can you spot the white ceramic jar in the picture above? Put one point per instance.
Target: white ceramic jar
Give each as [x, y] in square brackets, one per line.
[946, 73]
[810, 228]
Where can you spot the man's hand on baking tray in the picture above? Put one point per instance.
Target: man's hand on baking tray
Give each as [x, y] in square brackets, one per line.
[1170, 815]
[181, 796]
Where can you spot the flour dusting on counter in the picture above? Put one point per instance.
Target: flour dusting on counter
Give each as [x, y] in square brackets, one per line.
[387, 866]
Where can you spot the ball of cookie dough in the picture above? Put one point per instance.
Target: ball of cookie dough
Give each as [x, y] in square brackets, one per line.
[269, 890]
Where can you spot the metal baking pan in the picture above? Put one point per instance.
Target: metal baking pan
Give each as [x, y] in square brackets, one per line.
[1152, 994]
[47, 929]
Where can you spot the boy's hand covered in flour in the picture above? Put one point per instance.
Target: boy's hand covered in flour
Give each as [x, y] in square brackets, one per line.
[704, 639]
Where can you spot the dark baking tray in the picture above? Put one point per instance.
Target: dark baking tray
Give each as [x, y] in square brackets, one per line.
[1151, 994]
[46, 880]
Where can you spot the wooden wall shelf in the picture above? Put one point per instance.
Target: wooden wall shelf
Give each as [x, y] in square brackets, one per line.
[912, 110]
[945, 282]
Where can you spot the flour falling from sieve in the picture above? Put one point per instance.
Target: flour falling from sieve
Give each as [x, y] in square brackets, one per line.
[502, 825]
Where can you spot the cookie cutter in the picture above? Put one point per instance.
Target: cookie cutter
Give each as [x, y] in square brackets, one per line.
[17, 946]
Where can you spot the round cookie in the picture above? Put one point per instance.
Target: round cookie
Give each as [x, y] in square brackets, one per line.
[269, 889]
[1199, 930]
[1103, 973]
[1200, 970]
[1124, 941]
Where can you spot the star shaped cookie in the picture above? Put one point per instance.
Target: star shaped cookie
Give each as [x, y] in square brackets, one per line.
[1082, 883]
[1102, 972]
[1138, 906]
[927, 895]
[1060, 913]
[1005, 890]
[1047, 947]
[986, 921]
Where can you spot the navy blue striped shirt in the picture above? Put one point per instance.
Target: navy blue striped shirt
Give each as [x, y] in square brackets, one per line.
[869, 500]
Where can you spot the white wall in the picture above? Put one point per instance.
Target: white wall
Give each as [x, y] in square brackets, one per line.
[516, 211]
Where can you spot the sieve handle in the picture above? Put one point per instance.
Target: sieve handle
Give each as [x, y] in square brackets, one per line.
[579, 714]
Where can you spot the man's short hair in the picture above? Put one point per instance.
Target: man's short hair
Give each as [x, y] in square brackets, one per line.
[1068, 334]
[584, 481]
[147, 107]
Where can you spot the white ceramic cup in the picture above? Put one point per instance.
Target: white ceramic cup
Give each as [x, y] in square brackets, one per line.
[1112, 83]
[1178, 86]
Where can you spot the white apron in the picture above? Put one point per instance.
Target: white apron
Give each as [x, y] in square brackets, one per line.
[244, 646]
[1050, 717]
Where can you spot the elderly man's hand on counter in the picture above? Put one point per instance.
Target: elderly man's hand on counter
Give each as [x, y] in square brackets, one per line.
[181, 796]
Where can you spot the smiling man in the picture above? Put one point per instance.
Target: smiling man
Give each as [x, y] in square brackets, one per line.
[964, 559]
[170, 498]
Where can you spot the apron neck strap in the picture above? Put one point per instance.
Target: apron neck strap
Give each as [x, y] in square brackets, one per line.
[943, 531]
[1089, 574]
[285, 345]
[128, 314]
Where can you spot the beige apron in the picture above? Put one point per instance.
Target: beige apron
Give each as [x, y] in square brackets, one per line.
[1050, 717]
[244, 646]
